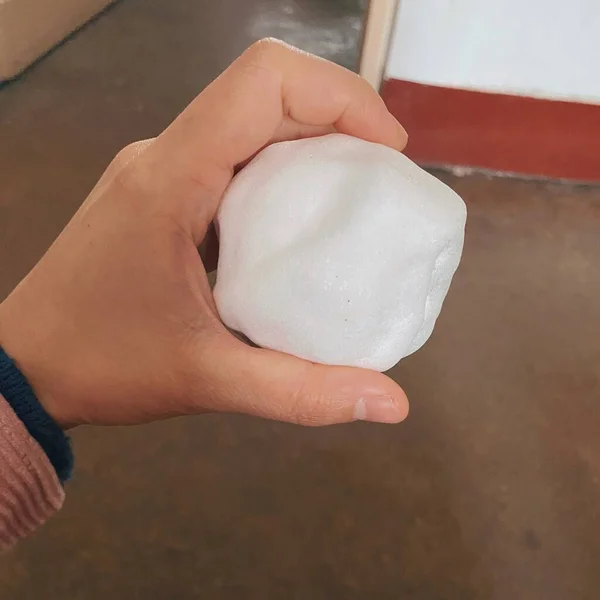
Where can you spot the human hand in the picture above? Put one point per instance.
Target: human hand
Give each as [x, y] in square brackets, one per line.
[117, 324]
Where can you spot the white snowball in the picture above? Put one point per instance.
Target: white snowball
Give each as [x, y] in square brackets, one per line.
[337, 250]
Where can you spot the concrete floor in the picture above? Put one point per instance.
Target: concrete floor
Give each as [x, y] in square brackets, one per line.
[490, 490]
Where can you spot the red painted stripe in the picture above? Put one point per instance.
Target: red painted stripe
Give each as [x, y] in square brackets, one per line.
[514, 134]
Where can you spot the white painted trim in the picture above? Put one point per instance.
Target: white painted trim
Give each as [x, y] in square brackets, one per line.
[381, 16]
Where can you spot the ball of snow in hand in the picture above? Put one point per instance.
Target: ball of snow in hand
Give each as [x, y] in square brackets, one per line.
[337, 250]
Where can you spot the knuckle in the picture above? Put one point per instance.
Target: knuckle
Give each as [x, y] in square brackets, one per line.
[264, 49]
[125, 168]
[129, 153]
[267, 53]
[124, 156]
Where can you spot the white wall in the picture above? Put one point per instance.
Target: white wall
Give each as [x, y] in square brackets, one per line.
[541, 48]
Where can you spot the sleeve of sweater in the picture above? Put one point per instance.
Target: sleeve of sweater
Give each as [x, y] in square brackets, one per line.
[30, 491]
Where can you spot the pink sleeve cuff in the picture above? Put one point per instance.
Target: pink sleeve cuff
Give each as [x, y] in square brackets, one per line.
[30, 491]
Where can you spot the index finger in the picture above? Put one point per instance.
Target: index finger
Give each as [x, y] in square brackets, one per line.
[240, 112]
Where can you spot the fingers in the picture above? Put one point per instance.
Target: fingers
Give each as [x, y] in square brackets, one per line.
[245, 107]
[290, 130]
[237, 378]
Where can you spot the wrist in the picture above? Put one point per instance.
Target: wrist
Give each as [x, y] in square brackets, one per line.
[15, 390]
[27, 353]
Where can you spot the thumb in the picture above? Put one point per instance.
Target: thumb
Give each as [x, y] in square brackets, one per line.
[273, 385]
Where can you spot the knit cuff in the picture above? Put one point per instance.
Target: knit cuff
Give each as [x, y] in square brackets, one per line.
[38, 423]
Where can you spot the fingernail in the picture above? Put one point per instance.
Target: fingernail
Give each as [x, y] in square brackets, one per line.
[378, 409]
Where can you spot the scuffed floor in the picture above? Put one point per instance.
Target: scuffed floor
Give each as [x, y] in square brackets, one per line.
[490, 490]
